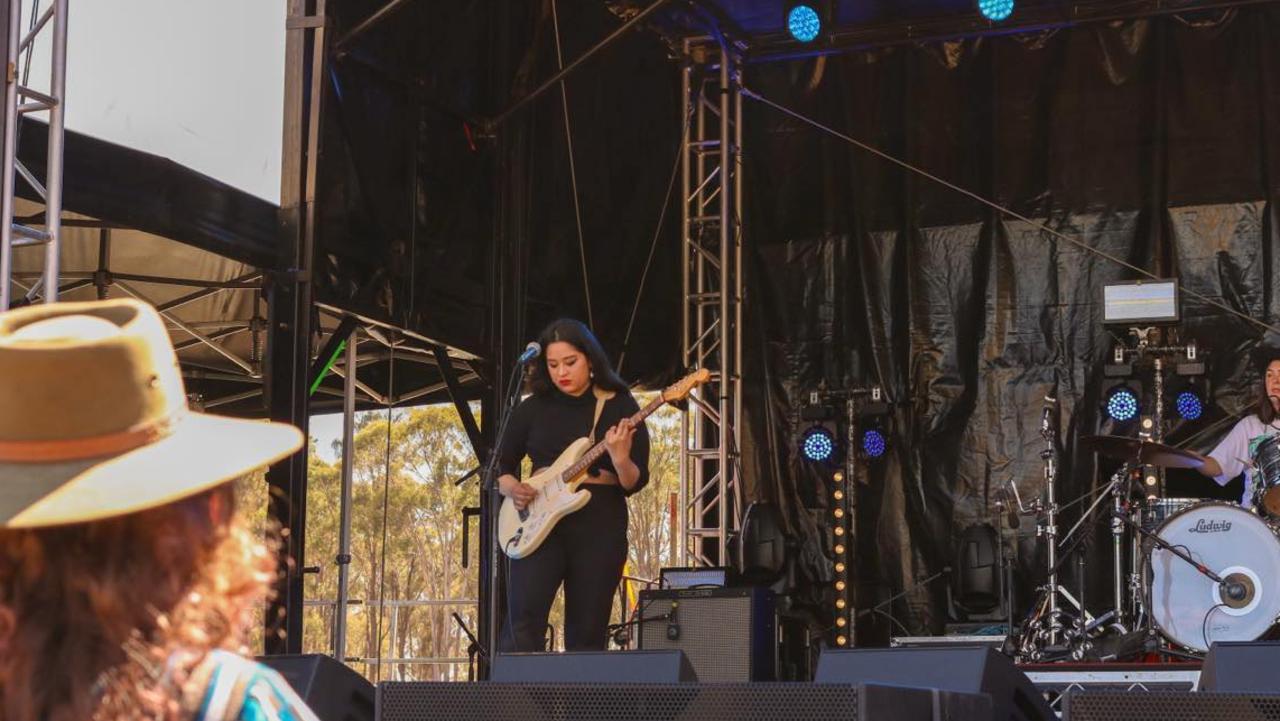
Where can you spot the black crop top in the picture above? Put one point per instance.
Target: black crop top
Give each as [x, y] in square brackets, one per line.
[543, 425]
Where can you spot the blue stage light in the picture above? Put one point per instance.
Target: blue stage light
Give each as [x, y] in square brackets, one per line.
[996, 10]
[1122, 404]
[1190, 407]
[873, 443]
[818, 444]
[804, 23]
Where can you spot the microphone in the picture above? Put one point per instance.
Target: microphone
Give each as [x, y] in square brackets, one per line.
[1233, 591]
[1014, 520]
[531, 351]
[673, 624]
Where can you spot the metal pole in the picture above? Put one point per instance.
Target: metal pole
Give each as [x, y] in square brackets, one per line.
[697, 415]
[1117, 562]
[9, 153]
[686, 109]
[738, 287]
[1051, 532]
[725, 386]
[377, 17]
[344, 508]
[53, 176]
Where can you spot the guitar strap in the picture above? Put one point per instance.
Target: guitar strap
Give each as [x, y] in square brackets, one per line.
[602, 396]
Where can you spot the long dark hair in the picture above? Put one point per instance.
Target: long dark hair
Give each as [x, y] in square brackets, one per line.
[576, 334]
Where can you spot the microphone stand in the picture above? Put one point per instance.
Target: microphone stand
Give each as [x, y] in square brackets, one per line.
[473, 648]
[489, 484]
[1175, 550]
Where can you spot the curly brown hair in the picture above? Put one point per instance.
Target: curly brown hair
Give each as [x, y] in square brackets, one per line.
[106, 620]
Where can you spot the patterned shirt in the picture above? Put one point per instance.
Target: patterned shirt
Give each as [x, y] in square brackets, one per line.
[229, 687]
[1234, 452]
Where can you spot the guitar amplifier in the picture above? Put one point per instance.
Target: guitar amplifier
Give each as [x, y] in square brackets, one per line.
[728, 634]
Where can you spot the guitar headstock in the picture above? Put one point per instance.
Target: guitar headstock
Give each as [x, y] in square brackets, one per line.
[680, 390]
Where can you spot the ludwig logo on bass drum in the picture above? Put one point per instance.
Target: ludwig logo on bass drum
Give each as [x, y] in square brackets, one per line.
[1203, 526]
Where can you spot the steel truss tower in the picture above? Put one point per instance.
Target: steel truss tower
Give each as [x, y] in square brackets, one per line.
[711, 252]
[20, 100]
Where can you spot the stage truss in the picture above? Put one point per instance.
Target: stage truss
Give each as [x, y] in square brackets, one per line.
[711, 252]
[20, 99]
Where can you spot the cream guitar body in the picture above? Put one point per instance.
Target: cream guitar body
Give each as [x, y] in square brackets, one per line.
[522, 532]
[559, 485]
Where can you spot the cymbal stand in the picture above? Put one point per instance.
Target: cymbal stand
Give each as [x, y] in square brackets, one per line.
[1063, 629]
[1045, 627]
[1050, 528]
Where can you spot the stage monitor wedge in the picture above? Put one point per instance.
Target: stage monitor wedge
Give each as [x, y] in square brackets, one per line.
[332, 690]
[965, 669]
[1120, 705]
[1242, 667]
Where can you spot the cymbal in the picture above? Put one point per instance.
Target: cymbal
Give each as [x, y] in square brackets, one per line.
[1147, 453]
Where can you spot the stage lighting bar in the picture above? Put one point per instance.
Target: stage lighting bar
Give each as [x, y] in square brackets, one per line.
[804, 22]
[805, 19]
[1190, 406]
[841, 509]
[996, 10]
[818, 444]
[1122, 404]
[874, 443]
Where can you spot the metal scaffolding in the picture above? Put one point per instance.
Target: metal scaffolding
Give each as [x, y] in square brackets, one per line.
[711, 251]
[20, 100]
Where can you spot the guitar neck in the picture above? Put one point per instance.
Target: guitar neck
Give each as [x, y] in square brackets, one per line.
[599, 449]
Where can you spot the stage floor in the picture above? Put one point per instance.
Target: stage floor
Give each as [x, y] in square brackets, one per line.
[1055, 679]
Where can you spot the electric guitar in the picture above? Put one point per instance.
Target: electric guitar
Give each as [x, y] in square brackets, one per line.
[559, 485]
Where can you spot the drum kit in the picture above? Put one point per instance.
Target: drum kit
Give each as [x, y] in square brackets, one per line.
[1187, 572]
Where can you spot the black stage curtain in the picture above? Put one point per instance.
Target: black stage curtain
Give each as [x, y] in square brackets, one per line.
[1153, 140]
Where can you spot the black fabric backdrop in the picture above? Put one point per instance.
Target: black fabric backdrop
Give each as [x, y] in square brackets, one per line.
[1155, 140]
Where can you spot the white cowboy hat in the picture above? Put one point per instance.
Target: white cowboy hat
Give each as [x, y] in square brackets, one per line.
[94, 420]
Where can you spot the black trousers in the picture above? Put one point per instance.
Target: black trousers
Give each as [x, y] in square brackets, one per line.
[585, 551]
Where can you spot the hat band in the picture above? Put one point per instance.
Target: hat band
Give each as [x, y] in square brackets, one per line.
[79, 449]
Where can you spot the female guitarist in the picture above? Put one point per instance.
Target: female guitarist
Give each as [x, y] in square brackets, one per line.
[575, 393]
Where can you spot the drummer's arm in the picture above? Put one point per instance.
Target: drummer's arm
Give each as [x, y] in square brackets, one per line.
[1211, 467]
[1225, 461]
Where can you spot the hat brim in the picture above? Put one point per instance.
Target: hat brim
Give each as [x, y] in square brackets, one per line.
[203, 452]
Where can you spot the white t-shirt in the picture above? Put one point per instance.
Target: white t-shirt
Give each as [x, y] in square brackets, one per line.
[1232, 452]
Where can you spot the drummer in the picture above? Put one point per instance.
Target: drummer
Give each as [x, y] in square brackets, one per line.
[1232, 455]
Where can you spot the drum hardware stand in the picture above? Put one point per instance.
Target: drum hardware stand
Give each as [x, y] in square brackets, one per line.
[1004, 505]
[1078, 637]
[1050, 528]
[1045, 628]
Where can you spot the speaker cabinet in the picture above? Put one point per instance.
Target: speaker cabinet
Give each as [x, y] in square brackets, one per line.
[728, 634]
[594, 667]
[425, 701]
[1242, 667]
[1085, 705]
[967, 670]
[331, 689]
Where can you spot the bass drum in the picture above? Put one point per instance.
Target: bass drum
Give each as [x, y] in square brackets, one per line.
[1188, 607]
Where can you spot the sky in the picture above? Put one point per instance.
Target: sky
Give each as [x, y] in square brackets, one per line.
[198, 82]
